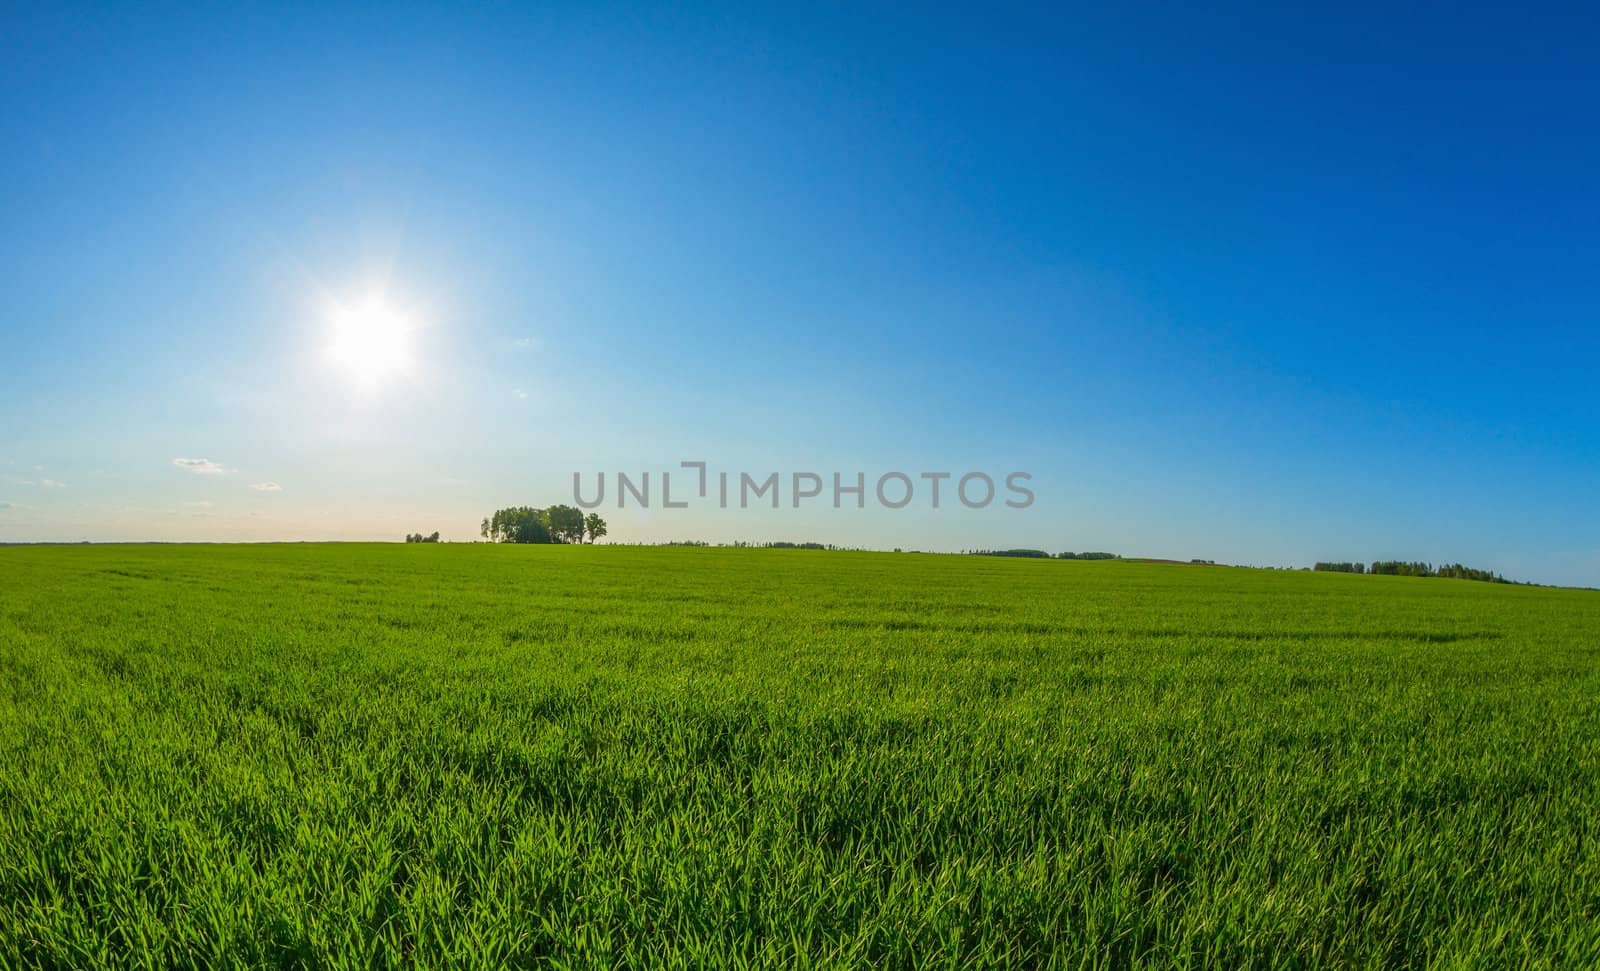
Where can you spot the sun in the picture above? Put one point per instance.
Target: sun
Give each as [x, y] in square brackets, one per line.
[371, 342]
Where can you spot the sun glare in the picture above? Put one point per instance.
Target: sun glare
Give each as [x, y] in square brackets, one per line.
[370, 342]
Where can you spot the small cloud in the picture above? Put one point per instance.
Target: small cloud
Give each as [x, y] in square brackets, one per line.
[527, 342]
[52, 484]
[267, 487]
[518, 392]
[200, 466]
[202, 504]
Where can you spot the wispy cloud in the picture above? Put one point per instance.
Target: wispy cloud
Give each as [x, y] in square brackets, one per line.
[518, 392]
[202, 504]
[267, 487]
[52, 484]
[200, 466]
[528, 342]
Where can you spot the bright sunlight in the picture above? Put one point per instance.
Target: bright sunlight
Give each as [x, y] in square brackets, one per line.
[370, 342]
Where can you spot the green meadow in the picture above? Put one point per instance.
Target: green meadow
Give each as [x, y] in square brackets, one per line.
[387, 756]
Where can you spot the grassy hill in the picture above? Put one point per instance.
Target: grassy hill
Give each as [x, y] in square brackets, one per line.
[386, 756]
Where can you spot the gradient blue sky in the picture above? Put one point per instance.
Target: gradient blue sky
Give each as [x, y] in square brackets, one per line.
[1259, 286]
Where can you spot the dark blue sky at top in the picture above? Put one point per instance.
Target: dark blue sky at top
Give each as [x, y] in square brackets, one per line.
[1266, 283]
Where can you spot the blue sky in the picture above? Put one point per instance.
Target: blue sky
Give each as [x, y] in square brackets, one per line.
[1262, 287]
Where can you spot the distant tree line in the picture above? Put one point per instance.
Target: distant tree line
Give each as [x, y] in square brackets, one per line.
[1456, 571]
[419, 538]
[1400, 568]
[530, 524]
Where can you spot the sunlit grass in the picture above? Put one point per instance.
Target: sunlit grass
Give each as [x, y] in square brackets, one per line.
[401, 756]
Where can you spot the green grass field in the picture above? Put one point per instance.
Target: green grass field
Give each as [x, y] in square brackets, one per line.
[482, 756]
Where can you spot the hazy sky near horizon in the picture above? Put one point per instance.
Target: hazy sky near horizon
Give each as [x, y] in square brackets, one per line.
[1261, 287]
